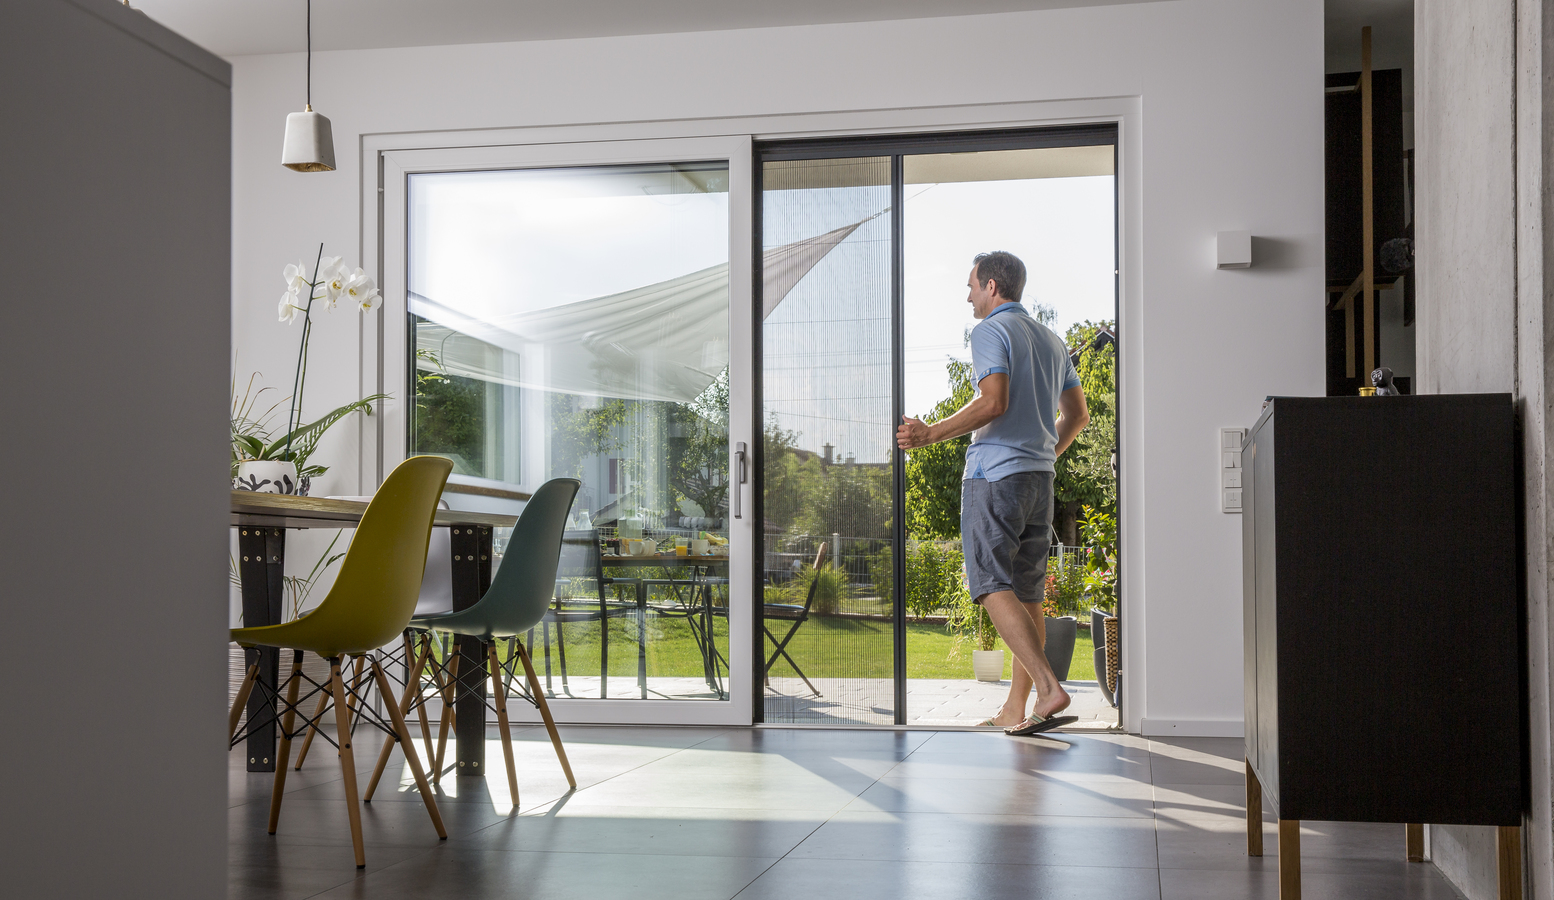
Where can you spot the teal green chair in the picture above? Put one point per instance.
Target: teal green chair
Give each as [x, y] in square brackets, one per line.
[371, 602]
[517, 600]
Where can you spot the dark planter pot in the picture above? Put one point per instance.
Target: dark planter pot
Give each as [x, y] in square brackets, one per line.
[1060, 644]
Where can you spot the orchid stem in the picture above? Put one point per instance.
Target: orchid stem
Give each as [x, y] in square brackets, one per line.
[302, 356]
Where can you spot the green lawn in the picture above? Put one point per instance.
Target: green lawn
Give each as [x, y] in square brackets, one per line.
[826, 647]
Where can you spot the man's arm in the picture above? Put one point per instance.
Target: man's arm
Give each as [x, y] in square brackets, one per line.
[984, 408]
[1073, 416]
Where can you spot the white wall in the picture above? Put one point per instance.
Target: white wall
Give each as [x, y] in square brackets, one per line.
[115, 182]
[1227, 125]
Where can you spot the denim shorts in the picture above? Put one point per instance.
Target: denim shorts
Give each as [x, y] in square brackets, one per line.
[1005, 529]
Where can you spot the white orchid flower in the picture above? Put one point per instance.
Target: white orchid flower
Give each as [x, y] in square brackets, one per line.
[332, 275]
[334, 285]
[362, 290]
[288, 309]
[296, 275]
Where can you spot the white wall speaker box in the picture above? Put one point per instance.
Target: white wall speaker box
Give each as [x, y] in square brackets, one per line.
[1233, 249]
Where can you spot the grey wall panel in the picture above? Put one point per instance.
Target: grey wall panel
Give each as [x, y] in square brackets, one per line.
[115, 191]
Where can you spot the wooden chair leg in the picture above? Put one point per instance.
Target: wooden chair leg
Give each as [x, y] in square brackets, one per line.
[550, 724]
[1289, 859]
[307, 742]
[1508, 841]
[447, 722]
[1254, 813]
[504, 733]
[411, 683]
[356, 686]
[347, 760]
[1413, 842]
[398, 718]
[246, 688]
[283, 756]
[420, 704]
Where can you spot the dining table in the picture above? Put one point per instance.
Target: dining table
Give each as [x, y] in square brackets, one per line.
[262, 520]
[699, 616]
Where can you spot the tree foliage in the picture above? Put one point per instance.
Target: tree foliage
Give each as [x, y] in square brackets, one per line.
[1084, 473]
[934, 472]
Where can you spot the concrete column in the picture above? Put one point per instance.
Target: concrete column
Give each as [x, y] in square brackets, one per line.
[1482, 109]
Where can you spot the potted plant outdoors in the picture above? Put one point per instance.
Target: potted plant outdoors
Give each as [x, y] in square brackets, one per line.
[279, 465]
[967, 619]
[1065, 589]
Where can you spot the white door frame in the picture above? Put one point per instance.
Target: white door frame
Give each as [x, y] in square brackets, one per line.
[392, 369]
[554, 141]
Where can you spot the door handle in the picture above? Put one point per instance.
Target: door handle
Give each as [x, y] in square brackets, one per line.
[741, 475]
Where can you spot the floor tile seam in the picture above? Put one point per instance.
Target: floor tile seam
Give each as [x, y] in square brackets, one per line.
[519, 810]
[856, 858]
[577, 791]
[362, 873]
[811, 833]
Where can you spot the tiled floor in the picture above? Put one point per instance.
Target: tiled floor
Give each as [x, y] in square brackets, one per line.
[691, 813]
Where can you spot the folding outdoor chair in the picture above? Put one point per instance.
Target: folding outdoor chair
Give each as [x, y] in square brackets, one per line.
[798, 615]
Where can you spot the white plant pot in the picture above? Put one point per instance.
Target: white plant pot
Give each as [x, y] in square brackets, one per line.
[266, 476]
[988, 665]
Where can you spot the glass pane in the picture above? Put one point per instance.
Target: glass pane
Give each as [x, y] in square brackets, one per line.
[1054, 209]
[827, 385]
[574, 323]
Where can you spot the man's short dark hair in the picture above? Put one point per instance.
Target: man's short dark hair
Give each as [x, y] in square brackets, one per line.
[1005, 269]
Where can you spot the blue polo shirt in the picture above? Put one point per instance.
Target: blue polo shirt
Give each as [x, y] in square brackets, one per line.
[1024, 438]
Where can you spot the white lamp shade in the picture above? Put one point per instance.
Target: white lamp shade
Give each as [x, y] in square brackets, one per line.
[310, 143]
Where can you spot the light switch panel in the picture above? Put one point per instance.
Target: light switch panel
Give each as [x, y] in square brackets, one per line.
[1230, 441]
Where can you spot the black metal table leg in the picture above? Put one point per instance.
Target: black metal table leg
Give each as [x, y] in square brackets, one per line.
[471, 548]
[263, 552]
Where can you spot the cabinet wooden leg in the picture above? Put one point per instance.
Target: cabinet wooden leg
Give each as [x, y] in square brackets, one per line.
[1508, 840]
[1254, 813]
[1414, 841]
[1289, 859]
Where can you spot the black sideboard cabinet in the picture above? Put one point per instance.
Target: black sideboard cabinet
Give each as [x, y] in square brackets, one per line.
[1384, 617]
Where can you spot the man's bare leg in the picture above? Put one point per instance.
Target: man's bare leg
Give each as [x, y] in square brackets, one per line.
[1013, 712]
[1023, 636]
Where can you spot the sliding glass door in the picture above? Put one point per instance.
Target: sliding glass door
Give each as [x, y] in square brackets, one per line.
[574, 318]
[828, 379]
[865, 250]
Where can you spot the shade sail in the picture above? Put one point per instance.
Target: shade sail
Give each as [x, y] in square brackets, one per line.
[666, 341]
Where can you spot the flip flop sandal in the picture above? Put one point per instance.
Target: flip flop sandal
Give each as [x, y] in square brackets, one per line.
[1037, 724]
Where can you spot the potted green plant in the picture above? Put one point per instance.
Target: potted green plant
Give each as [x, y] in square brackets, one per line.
[278, 464]
[967, 619]
[1065, 591]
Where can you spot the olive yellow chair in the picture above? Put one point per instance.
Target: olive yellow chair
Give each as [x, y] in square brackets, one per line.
[371, 602]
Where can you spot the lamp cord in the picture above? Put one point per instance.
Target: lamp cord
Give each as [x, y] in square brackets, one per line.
[310, 54]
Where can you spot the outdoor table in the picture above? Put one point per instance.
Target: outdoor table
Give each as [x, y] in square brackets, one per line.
[262, 520]
[700, 567]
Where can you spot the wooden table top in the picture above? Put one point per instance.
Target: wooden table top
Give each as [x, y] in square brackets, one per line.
[290, 511]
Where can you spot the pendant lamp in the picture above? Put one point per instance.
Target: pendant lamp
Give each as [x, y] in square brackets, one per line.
[310, 142]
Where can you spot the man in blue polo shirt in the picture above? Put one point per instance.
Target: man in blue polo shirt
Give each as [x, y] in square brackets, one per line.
[1028, 408]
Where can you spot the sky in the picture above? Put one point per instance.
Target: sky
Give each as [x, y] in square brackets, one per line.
[1061, 228]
